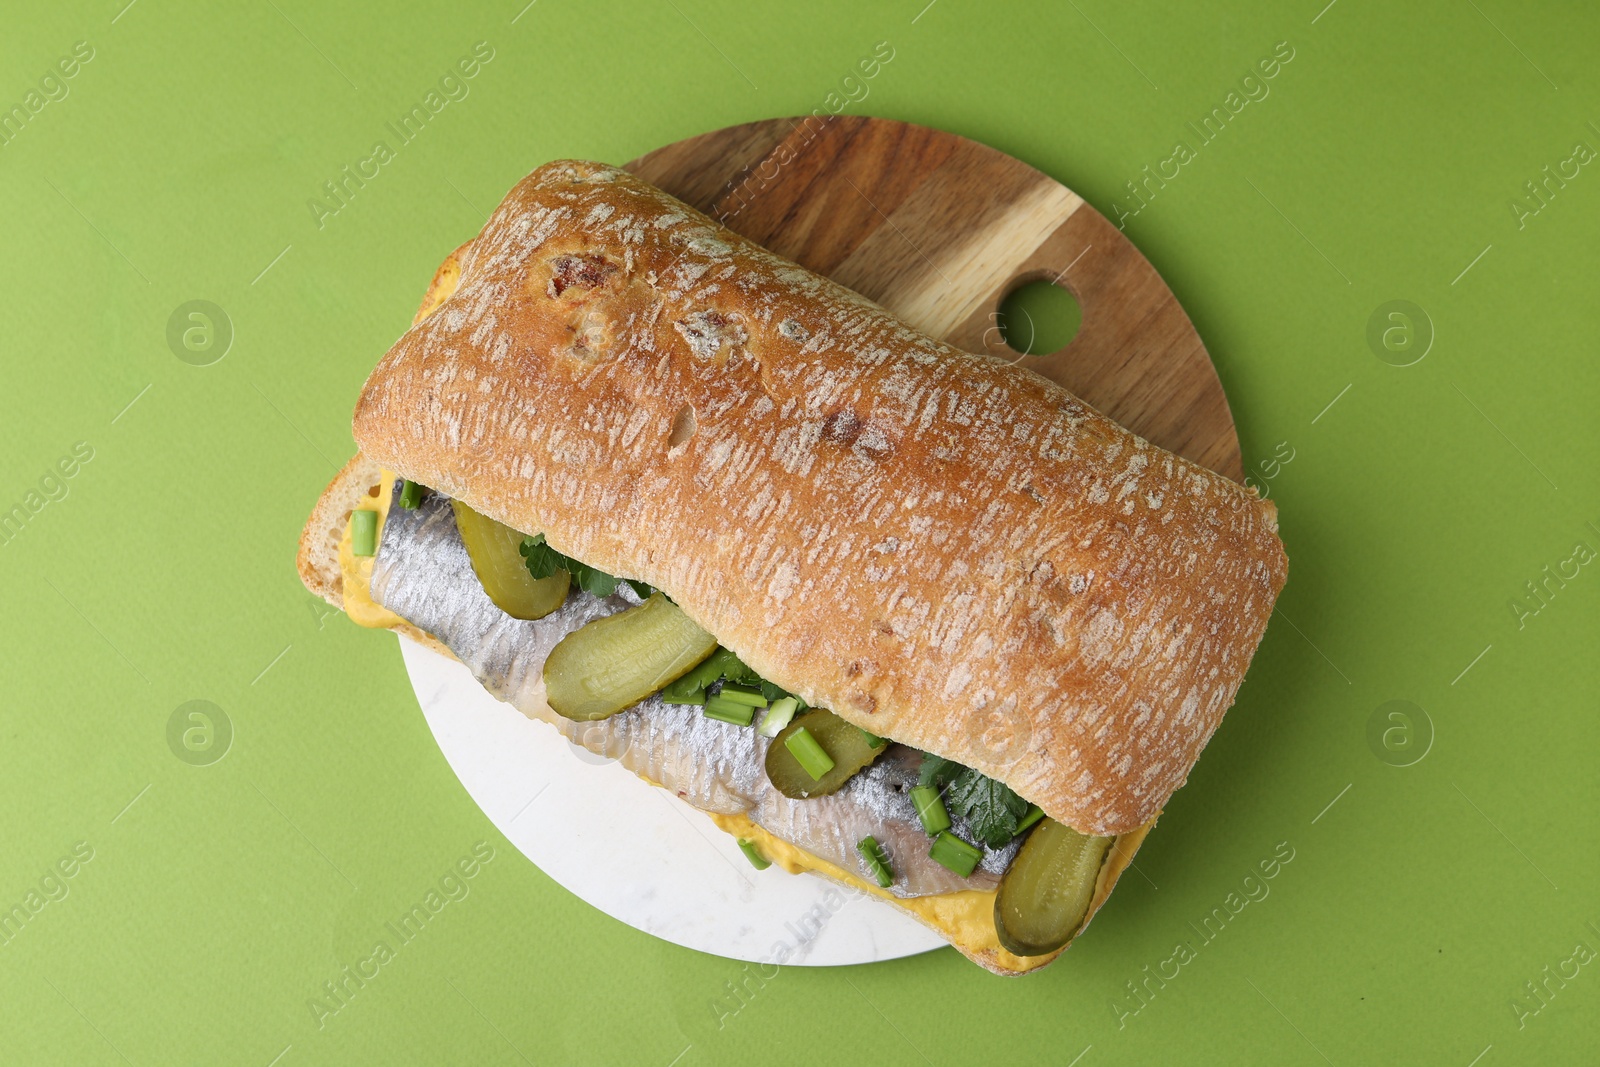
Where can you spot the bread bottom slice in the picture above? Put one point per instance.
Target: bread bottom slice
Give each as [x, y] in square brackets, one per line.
[965, 919]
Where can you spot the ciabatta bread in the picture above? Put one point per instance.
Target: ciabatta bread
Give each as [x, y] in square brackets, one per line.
[942, 548]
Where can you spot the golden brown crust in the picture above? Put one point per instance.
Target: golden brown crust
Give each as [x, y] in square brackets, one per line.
[444, 282]
[941, 547]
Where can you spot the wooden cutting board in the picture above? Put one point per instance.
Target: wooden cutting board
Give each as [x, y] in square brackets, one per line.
[938, 229]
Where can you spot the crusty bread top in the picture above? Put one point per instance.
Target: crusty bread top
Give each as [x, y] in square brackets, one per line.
[941, 547]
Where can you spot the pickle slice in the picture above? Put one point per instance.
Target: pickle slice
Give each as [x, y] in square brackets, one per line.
[1046, 894]
[845, 744]
[613, 663]
[493, 548]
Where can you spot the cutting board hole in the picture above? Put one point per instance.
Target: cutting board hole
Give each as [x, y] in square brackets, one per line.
[1038, 318]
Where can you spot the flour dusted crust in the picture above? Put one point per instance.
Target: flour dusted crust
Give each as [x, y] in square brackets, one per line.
[943, 548]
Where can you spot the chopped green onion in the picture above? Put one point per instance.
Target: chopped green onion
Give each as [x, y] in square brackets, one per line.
[950, 851]
[753, 854]
[1035, 813]
[930, 809]
[877, 862]
[872, 739]
[741, 695]
[809, 753]
[364, 532]
[778, 715]
[729, 711]
[410, 494]
[677, 693]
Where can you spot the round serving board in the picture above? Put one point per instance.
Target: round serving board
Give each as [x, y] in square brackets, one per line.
[938, 229]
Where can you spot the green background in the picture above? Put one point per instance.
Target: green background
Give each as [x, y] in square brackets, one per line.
[1382, 166]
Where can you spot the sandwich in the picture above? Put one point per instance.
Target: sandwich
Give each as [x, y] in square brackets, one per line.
[891, 613]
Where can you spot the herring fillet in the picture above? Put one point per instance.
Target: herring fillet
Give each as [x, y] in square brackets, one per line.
[423, 574]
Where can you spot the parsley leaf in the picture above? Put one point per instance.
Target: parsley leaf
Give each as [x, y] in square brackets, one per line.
[721, 666]
[590, 580]
[773, 691]
[989, 806]
[937, 771]
[736, 670]
[542, 561]
[691, 687]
